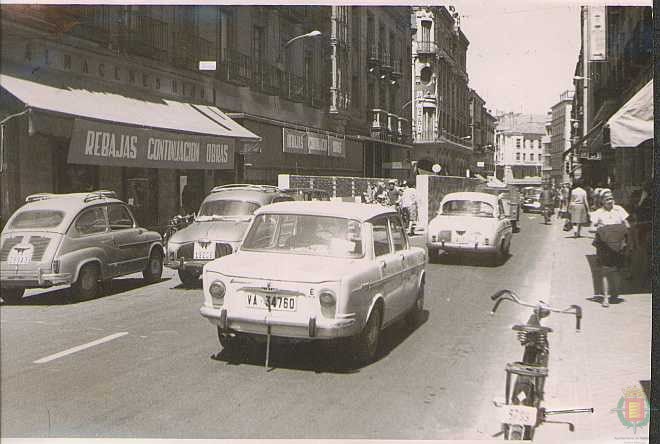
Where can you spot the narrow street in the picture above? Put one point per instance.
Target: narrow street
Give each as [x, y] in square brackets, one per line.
[156, 369]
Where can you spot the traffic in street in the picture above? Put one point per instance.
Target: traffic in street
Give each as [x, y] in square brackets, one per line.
[140, 361]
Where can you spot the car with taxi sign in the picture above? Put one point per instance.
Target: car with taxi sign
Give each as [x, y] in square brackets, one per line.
[317, 271]
[218, 227]
[470, 223]
[77, 239]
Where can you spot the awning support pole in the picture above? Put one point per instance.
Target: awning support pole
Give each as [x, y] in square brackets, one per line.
[3, 122]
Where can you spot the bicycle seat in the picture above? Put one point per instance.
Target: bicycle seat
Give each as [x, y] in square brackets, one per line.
[520, 368]
[531, 328]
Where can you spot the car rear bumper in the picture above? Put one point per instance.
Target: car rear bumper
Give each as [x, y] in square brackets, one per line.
[313, 328]
[33, 279]
[473, 247]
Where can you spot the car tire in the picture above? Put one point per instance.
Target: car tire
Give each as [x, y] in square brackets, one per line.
[154, 270]
[87, 285]
[188, 279]
[12, 295]
[414, 316]
[365, 344]
[434, 255]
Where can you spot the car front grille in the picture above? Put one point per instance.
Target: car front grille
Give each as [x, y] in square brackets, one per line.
[187, 251]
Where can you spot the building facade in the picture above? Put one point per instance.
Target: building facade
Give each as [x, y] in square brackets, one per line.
[560, 143]
[482, 125]
[441, 97]
[519, 148]
[309, 99]
[546, 142]
[616, 59]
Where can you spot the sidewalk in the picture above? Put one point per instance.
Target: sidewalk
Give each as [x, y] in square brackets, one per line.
[594, 367]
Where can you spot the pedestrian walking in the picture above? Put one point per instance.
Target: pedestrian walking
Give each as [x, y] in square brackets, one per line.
[408, 204]
[393, 193]
[578, 207]
[611, 229]
[563, 200]
[547, 199]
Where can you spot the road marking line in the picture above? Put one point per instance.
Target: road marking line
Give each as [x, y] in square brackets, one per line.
[79, 348]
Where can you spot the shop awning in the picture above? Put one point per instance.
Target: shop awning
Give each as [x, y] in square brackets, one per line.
[633, 123]
[111, 129]
[110, 107]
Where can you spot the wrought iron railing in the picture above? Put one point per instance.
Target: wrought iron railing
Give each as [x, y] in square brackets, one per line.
[424, 47]
[93, 23]
[372, 53]
[189, 49]
[236, 67]
[295, 87]
[268, 78]
[145, 36]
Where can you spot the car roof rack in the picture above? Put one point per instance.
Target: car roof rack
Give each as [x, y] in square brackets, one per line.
[39, 196]
[244, 186]
[100, 194]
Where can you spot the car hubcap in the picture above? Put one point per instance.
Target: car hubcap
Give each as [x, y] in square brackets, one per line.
[155, 265]
[88, 281]
[372, 334]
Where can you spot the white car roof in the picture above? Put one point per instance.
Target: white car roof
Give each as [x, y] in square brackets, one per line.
[350, 210]
[471, 195]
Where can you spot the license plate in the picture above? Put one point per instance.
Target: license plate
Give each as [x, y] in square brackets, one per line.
[22, 258]
[518, 414]
[276, 303]
[204, 250]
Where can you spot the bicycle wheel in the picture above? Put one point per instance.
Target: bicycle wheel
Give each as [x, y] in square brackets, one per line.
[524, 393]
[514, 432]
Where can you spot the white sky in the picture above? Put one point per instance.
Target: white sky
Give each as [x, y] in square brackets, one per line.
[522, 54]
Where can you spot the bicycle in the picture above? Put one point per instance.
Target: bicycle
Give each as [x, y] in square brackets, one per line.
[522, 411]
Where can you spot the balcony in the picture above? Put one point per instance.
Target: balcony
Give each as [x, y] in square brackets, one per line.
[397, 71]
[295, 88]
[424, 47]
[236, 68]
[386, 62]
[297, 14]
[379, 123]
[268, 79]
[373, 57]
[190, 49]
[94, 23]
[145, 37]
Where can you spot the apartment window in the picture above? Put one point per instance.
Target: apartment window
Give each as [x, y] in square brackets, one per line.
[517, 156]
[517, 143]
[426, 31]
[226, 33]
[531, 157]
[258, 43]
[524, 157]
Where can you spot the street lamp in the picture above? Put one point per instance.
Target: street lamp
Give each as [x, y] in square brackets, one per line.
[314, 33]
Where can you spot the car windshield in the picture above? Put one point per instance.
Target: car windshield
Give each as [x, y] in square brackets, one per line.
[37, 219]
[225, 208]
[305, 234]
[467, 207]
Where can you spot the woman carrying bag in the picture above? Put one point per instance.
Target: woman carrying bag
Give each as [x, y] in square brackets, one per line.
[578, 207]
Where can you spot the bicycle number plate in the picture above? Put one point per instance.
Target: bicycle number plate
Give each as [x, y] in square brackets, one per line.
[518, 414]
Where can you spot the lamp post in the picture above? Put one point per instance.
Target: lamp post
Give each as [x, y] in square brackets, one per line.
[314, 33]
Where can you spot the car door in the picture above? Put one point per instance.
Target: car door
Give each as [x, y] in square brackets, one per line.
[389, 266]
[90, 238]
[406, 293]
[131, 248]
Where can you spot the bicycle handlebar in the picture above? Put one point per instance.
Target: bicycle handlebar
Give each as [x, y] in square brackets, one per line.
[509, 295]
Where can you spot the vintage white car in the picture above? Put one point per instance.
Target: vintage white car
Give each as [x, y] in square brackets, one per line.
[317, 271]
[469, 222]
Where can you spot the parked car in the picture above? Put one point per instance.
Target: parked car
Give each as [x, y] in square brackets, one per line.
[79, 239]
[531, 200]
[218, 227]
[470, 222]
[317, 271]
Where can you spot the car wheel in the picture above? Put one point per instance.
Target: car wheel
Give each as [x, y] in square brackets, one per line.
[154, 269]
[12, 295]
[87, 285]
[507, 248]
[188, 279]
[498, 256]
[365, 344]
[434, 255]
[414, 316]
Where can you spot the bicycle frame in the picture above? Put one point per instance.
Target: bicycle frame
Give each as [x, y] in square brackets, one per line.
[522, 412]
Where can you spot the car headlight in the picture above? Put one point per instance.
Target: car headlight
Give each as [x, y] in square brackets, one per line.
[328, 302]
[217, 291]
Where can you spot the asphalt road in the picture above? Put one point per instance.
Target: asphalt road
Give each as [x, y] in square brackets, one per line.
[147, 365]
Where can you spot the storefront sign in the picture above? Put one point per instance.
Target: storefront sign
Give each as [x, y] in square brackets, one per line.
[317, 144]
[96, 143]
[337, 147]
[294, 141]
